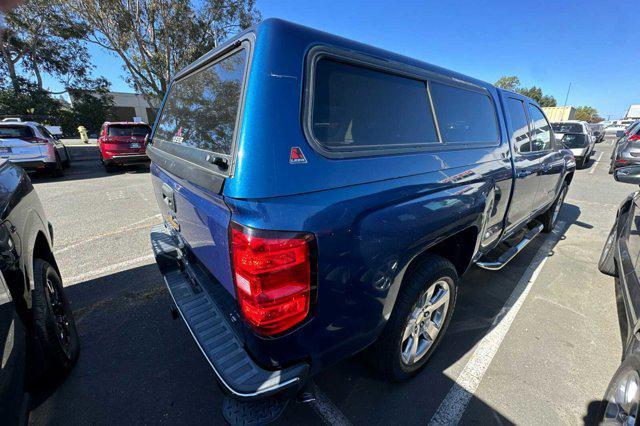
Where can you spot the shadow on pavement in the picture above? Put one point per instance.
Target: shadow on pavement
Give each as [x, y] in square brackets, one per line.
[85, 164]
[137, 365]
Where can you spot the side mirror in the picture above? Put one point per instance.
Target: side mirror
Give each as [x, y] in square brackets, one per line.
[629, 174]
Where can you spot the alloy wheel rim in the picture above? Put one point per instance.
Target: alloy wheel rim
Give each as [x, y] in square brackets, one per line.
[58, 308]
[425, 322]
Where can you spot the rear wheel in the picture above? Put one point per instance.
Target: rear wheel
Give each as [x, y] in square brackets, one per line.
[109, 167]
[66, 163]
[54, 325]
[420, 318]
[58, 170]
[550, 217]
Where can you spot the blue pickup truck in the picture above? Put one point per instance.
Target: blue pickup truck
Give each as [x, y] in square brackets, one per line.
[322, 197]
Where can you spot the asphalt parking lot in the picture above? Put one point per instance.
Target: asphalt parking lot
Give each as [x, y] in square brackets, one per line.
[534, 343]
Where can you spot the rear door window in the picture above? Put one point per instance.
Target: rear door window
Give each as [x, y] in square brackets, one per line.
[19, 132]
[362, 109]
[201, 109]
[519, 125]
[464, 116]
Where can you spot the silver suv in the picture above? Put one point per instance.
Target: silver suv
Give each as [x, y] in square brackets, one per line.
[31, 146]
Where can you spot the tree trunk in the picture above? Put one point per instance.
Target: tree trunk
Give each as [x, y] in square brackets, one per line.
[12, 68]
[36, 71]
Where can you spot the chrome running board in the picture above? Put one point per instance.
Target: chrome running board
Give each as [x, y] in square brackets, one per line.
[513, 251]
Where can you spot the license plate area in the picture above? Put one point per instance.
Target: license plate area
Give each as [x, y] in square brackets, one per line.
[134, 145]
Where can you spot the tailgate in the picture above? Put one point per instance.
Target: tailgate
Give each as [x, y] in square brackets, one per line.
[201, 220]
[19, 150]
[192, 154]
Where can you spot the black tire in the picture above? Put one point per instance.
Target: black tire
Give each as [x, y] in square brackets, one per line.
[109, 168]
[386, 354]
[550, 217]
[58, 170]
[66, 163]
[55, 333]
[607, 262]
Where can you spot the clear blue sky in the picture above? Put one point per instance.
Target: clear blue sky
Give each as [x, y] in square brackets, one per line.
[593, 44]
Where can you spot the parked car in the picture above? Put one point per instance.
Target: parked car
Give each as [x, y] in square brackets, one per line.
[619, 259]
[123, 143]
[597, 129]
[614, 131]
[627, 150]
[576, 136]
[37, 330]
[321, 196]
[31, 146]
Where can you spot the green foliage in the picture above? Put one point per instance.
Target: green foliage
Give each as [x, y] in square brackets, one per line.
[89, 108]
[42, 37]
[509, 83]
[157, 38]
[587, 113]
[513, 83]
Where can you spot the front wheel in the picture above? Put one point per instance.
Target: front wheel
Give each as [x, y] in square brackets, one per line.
[550, 217]
[420, 318]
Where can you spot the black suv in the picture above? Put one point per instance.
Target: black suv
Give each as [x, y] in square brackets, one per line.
[39, 342]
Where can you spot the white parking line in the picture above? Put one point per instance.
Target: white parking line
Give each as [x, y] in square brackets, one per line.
[134, 226]
[455, 402]
[593, 169]
[105, 270]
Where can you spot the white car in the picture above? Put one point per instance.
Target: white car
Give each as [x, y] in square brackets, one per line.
[578, 137]
[31, 146]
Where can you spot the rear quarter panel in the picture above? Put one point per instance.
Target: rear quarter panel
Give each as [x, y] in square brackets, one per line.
[367, 236]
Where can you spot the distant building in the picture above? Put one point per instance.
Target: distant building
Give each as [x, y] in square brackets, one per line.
[126, 106]
[633, 112]
[555, 114]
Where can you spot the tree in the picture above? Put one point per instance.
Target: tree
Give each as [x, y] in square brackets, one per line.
[513, 83]
[42, 36]
[509, 83]
[156, 38]
[587, 113]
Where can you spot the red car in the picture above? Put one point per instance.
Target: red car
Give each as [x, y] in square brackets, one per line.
[123, 143]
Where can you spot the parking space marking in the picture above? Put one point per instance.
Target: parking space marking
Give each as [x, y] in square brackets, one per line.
[106, 270]
[134, 226]
[455, 402]
[326, 409]
[595, 164]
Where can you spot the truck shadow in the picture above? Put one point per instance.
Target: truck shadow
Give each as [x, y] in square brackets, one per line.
[139, 366]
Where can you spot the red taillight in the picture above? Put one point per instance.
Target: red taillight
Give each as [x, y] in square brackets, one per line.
[273, 273]
[635, 137]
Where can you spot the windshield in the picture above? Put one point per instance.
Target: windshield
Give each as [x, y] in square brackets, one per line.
[567, 127]
[129, 130]
[572, 140]
[19, 132]
[201, 109]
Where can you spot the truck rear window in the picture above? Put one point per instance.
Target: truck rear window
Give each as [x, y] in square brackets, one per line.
[567, 127]
[15, 132]
[201, 109]
[128, 130]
